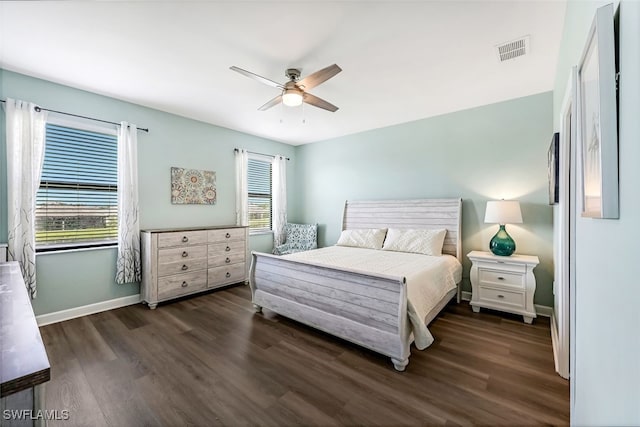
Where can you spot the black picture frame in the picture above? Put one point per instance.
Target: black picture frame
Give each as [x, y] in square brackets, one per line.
[553, 157]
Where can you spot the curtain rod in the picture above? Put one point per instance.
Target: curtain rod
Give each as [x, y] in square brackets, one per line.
[260, 154]
[82, 117]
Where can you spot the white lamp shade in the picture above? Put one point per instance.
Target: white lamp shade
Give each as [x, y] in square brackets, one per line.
[503, 212]
[291, 98]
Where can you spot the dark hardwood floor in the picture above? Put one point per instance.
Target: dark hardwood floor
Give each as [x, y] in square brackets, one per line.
[209, 360]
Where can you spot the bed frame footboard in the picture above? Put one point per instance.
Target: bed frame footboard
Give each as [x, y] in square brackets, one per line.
[368, 310]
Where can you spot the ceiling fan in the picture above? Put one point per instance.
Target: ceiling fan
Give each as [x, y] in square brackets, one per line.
[294, 92]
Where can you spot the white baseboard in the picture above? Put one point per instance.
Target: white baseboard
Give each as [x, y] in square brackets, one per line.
[541, 310]
[85, 310]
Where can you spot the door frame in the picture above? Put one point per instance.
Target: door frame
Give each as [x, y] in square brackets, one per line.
[563, 319]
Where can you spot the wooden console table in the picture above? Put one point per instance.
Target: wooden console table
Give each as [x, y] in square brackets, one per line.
[24, 365]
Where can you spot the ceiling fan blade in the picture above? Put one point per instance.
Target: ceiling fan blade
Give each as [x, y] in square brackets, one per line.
[319, 102]
[275, 101]
[257, 77]
[321, 76]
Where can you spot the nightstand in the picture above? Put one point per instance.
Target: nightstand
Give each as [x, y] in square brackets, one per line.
[504, 283]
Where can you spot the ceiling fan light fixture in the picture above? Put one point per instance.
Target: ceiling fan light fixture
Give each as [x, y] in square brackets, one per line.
[294, 92]
[291, 98]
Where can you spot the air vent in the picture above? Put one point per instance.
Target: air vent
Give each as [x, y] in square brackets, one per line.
[513, 49]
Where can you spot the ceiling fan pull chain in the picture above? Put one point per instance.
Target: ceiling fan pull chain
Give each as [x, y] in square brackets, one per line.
[303, 119]
[281, 112]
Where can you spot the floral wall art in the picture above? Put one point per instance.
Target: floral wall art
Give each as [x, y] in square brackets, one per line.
[193, 187]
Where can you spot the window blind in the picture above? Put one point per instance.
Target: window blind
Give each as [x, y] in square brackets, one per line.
[259, 188]
[77, 202]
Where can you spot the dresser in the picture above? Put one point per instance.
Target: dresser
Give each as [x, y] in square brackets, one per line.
[504, 283]
[179, 262]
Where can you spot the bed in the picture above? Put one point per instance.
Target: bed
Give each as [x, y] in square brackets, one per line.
[381, 300]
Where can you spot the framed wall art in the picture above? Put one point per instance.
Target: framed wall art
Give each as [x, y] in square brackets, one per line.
[193, 187]
[597, 119]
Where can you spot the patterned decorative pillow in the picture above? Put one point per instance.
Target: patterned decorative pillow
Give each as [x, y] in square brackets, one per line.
[419, 241]
[369, 238]
[301, 236]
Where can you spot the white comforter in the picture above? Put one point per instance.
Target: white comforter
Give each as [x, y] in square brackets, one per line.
[429, 278]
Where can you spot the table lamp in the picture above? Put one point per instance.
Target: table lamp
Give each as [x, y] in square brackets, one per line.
[503, 212]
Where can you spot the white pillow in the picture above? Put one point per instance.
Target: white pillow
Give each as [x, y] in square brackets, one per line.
[370, 238]
[420, 241]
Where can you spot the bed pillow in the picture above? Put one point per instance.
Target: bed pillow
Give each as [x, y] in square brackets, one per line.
[369, 238]
[419, 241]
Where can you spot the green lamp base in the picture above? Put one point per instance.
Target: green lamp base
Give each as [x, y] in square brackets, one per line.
[502, 244]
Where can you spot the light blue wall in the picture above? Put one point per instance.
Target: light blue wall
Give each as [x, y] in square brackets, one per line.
[491, 152]
[67, 280]
[607, 318]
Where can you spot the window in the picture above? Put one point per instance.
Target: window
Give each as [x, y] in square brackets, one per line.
[77, 202]
[259, 189]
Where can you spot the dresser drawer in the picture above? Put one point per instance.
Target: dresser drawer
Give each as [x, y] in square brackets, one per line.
[226, 235]
[181, 284]
[502, 297]
[226, 259]
[501, 278]
[166, 256]
[220, 276]
[227, 248]
[182, 238]
[183, 266]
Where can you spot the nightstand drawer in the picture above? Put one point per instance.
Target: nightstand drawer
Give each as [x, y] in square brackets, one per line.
[501, 278]
[502, 266]
[502, 297]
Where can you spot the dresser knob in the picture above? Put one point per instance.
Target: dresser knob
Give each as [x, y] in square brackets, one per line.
[228, 274]
[184, 267]
[227, 260]
[185, 284]
[228, 249]
[500, 278]
[227, 235]
[185, 239]
[185, 254]
[500, 296]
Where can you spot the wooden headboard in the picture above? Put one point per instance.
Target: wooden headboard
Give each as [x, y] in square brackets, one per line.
[416, 213]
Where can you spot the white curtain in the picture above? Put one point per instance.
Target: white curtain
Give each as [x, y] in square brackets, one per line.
[128, 268]
[242, 194]
[25, 153]
[279, 196]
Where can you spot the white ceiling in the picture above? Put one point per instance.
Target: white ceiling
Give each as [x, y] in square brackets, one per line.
[401, 61]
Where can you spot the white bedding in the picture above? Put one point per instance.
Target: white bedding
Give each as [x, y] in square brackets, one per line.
[429, 278]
